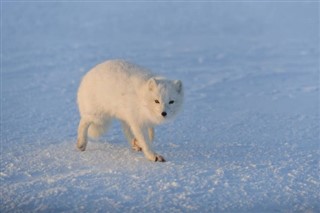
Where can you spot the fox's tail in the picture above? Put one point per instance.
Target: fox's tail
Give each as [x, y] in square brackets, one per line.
[96, 130]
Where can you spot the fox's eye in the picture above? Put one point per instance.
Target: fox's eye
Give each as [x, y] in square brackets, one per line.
[156, 101]
[171, 102]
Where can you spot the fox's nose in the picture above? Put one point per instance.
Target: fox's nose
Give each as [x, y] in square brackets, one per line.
[164, 114]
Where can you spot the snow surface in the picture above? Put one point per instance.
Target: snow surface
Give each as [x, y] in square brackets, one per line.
[247, 140]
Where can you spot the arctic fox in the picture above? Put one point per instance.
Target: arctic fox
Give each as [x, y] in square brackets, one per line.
[125, 91]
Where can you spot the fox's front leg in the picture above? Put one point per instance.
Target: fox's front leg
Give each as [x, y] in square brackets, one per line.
[135, 143]
[151, 134]
[142, 136]
[130, 137]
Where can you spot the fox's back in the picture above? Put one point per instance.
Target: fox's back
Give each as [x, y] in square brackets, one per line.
[119, 73]
[112, 84]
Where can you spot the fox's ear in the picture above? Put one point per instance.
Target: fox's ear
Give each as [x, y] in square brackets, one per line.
[152, 84]
[178, 85]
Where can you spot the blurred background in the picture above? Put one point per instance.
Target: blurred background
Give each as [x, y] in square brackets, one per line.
[48, 46]
[246, 141]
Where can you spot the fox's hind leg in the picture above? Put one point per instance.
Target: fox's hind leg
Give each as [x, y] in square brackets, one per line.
[128, 133]
[83, 133]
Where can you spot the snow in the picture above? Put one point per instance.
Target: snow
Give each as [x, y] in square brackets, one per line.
[246, 141]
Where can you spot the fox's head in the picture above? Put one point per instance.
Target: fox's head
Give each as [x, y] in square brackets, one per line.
[163, 99]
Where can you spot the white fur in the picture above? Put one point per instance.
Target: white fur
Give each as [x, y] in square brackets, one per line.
[128, 92]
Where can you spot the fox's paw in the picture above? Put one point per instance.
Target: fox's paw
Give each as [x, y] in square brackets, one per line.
[81, 145]
[135, 145]
[155, 157]
[159, 158]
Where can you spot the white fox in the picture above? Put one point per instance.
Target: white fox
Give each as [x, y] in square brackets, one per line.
[130, 93]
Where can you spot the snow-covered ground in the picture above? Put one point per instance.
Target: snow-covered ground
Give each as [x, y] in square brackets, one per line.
[246, 141]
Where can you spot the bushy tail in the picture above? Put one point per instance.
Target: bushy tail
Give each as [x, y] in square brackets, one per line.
[96, 130]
